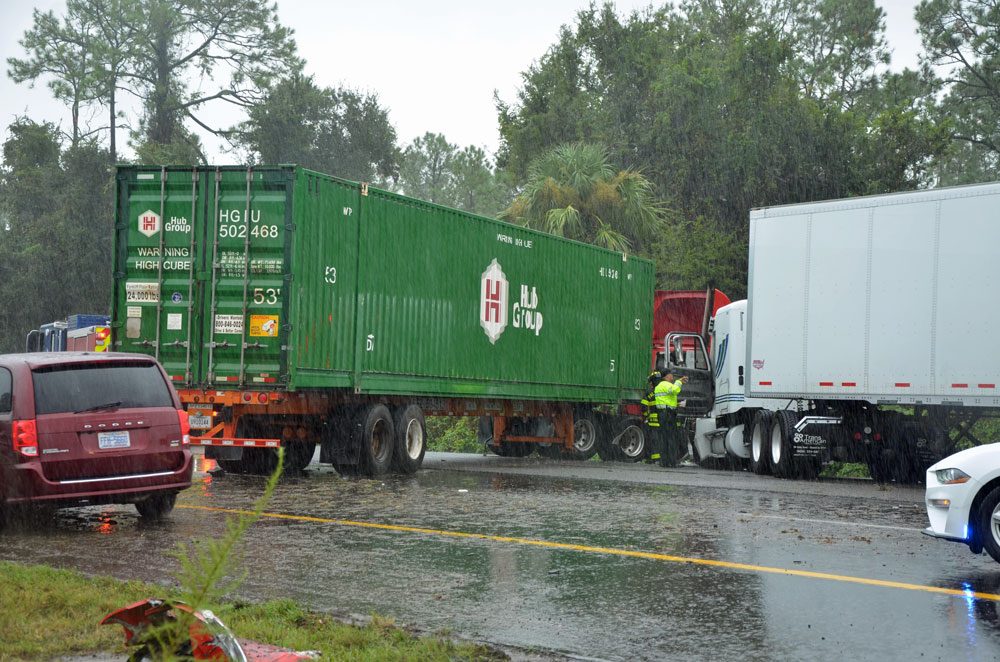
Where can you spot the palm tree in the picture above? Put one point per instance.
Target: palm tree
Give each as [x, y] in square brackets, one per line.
[572, 191]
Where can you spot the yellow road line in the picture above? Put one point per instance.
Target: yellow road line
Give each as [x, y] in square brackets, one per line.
[612, 551]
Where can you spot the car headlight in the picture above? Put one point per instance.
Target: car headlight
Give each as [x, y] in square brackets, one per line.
[951, 476]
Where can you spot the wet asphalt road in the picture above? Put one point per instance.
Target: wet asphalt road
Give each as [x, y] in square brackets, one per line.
[580, 603]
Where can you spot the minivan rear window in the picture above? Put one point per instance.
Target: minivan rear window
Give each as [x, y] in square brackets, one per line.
[71, 388]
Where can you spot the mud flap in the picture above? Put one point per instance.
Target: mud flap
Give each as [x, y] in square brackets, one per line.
[234, 453]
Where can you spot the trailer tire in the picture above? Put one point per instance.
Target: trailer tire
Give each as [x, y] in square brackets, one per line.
[782, 450]
[375, 437]
[411, 439]
[586, 435]
[988, 526]
[298, 455]
[551, 451]
[760, 434]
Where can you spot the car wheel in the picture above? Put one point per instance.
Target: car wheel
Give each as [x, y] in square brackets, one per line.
[989, 524]
[157, 506]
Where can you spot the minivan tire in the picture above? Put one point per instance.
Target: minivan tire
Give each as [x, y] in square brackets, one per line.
[157, 506]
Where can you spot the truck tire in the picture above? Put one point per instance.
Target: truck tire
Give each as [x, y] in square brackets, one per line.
[987, 524]
[586, 436]
[760, 435]
[375, 437]
[411, 439]
[623, 440]
[781, 447]
[632, 442]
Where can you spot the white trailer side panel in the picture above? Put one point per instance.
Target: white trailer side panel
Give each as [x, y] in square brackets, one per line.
[889, 298]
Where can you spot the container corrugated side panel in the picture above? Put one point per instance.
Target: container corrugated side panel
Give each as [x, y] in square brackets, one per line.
[878, 298]
[455, 304]
[159, 217]
[324, 281]
[637, 281]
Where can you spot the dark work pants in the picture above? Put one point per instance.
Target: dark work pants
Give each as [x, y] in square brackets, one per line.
[670, 444]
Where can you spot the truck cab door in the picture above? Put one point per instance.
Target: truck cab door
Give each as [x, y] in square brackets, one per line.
[685, 355]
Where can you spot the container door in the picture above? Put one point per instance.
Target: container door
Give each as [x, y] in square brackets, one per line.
[156, 262]
[245, 330]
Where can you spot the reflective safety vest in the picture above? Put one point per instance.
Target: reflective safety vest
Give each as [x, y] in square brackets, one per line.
[649, 413]
[666, 394]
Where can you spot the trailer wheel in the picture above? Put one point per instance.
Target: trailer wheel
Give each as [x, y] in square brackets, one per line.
[298, 455]
[782, 431]
[376, 438]
[760, 434]
[411, 439]
[585, 436]
[988, 525]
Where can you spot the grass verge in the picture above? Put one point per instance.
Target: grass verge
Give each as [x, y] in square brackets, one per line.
[46, 613]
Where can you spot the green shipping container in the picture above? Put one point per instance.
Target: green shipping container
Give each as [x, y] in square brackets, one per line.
[281, 278]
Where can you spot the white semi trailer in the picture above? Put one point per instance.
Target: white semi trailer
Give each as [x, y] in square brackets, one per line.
[869, 335]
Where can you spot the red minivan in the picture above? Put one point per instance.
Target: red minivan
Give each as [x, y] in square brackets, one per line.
[82, 428]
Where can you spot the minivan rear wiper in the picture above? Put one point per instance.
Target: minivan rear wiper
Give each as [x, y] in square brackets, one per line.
[106, 405]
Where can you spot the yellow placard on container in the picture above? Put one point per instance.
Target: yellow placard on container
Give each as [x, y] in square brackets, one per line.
[264, 326]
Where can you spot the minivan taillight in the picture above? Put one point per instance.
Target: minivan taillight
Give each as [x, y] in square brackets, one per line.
[26, 438]
[185, 427]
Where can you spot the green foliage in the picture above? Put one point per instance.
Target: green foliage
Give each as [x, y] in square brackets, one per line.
[336, 131]
[206, 568]
[177, 56]
[845, 470]
[55, 230]
[452, 434]
[573, 191]
[47, 614]
[690, 254]
[960, 44]
[725, 107]
[431, 168]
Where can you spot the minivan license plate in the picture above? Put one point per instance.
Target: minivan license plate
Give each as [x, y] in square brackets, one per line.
[109, 440]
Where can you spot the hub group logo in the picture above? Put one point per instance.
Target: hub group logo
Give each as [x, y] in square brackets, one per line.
[493, 301]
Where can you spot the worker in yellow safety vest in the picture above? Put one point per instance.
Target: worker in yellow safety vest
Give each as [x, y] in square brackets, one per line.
[650, 415]
[665, 400]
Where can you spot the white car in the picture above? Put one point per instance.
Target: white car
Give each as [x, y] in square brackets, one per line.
[963, 499]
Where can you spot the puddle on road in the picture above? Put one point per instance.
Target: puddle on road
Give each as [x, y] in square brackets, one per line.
[607, 606]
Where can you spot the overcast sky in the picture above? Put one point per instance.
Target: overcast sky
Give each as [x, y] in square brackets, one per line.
[434, 64]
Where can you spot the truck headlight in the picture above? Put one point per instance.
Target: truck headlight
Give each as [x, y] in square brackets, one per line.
[951, 476]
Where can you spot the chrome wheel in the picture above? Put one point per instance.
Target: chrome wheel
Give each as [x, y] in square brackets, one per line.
[995, 525]
[776, 445]
[414, 439]
[632, 442]
[584, 436]
[757, 444]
